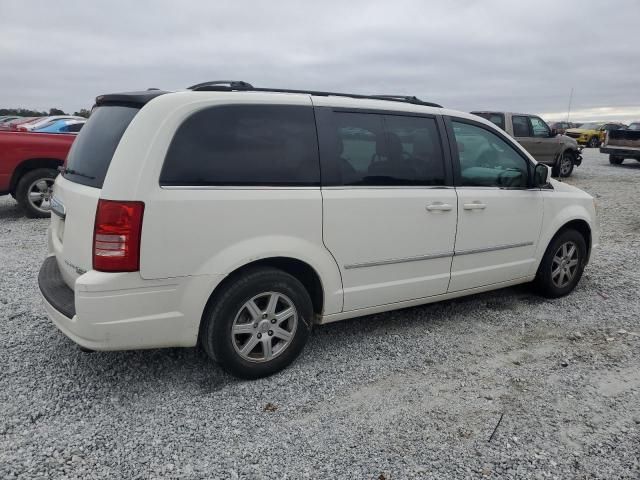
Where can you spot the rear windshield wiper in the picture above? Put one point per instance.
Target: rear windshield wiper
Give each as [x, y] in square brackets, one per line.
[71, 171]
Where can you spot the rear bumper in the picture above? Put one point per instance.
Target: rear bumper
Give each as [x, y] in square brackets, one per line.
[621, 152]
[122, 311]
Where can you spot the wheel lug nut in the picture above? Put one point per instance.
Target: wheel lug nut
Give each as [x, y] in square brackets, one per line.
[273, 320]
[264, 315]
[270, 332]
[259, 335]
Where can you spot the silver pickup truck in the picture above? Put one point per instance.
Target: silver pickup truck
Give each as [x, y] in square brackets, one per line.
[560, 152]
[621, 144]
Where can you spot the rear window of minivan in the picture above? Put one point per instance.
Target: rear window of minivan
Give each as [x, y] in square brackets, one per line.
[91, 153]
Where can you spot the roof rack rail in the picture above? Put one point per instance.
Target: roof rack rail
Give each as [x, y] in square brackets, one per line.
[239, 85]
[222, 85]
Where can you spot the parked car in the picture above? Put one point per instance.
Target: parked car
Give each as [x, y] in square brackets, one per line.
[14, 124]
[546, 146]
[239, 218]
[592, 134]
[45, 122]
[562, 127]
[8, 118]
[62, 126]
[28, 167]
[622, 144]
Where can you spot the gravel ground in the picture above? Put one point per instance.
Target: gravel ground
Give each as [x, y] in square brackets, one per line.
[415, 393]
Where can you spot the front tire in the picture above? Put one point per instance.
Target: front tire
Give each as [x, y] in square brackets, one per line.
[34, 191]
[258, 323]
[615, 160]
[564, 166]
[562, 265]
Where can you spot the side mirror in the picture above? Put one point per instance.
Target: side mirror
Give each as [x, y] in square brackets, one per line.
[540, 175]
[553, 132]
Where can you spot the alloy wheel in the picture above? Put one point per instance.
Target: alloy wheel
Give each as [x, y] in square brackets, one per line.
[39, 194]
[264, 327]
[565, 165]
[565, 264]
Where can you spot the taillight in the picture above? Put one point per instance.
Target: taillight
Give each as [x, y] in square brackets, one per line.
[116, 236]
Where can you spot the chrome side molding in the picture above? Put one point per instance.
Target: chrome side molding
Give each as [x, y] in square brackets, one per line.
[433, 256]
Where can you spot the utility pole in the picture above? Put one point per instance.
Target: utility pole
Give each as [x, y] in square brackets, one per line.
[569, 108]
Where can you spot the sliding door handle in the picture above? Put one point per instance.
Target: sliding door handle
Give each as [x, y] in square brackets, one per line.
[439, 207]
[475, 206]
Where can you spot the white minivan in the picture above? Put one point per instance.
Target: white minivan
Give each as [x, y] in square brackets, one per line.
[237, 217]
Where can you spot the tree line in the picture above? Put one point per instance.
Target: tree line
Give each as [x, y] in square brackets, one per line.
[25, 112]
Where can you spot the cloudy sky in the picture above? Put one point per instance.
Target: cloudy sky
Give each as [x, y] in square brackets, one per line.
[465, 54]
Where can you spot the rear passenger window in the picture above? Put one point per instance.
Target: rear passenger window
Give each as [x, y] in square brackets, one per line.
[495, 118]
[269, 145]
[363, 149]
[520, 126]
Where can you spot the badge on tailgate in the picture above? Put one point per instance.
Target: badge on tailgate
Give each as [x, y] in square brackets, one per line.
[57, 207]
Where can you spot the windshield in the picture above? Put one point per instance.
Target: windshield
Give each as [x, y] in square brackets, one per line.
[591, 126]
[91, 153]
[634, 126]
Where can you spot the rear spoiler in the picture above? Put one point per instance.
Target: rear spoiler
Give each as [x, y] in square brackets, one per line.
[129, 99]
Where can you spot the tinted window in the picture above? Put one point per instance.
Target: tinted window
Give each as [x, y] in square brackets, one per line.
[495, 118]
[540, 129]
[520, 126]
[371, 149]
[244, 145]
[76, 127]
[92, 151]
[486, 160]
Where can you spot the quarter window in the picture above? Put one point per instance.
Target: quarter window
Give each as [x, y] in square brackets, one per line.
[370, 149]
[270, 145]
[486, 160]
[520, 126]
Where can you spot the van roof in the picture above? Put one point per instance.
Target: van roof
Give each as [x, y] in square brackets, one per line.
[139, 98]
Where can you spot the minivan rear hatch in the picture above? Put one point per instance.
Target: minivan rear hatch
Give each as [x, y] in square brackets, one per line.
[77, 189]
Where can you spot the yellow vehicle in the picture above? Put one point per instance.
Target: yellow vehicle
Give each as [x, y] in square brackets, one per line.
[592, 134]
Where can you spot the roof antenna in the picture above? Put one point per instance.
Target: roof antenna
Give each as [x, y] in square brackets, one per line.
[569, 108]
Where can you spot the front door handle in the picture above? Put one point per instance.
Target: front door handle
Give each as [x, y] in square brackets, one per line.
[475, 206]
[439, 207]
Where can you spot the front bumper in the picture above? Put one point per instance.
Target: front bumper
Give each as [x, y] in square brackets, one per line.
[122, 311]
[578, 160]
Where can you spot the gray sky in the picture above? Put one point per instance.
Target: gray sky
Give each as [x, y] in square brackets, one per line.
[464, 54]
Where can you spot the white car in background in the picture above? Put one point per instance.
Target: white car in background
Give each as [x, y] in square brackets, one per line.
[45, 121]
[238, 217]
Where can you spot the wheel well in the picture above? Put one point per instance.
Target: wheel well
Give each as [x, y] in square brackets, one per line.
[583, 228]
[304, 272]
[31, 164]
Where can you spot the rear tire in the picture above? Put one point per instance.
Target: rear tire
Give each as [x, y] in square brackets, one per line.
[615, 160]
[258, 323]
[34, 190]
[562, 264]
